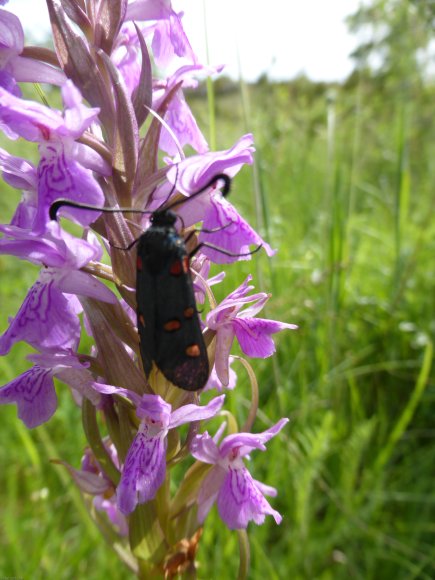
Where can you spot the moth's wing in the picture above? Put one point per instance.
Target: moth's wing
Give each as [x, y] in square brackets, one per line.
[180, 351]
[145, 298]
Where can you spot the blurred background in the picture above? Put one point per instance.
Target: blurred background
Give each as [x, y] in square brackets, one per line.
[340, 98]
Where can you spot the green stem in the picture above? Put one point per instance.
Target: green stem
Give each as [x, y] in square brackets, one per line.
[254, 395]
[92, 432]
[245, 554]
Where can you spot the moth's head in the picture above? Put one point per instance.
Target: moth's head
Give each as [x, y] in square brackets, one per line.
[164, 217]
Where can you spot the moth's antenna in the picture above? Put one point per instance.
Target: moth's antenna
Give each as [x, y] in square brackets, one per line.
[56, 205]
[174, 185]
[213, 180]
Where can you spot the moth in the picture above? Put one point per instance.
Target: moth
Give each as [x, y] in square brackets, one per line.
[167, 318]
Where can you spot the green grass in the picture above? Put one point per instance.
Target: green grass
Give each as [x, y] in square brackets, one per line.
[343, 187]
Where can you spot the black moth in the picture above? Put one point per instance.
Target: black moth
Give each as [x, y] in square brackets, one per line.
[167, 319]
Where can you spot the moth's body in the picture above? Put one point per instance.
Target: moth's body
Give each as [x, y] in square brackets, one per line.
[168, 323]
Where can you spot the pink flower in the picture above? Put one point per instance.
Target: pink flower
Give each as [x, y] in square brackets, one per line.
[253, 334]
[239, 497]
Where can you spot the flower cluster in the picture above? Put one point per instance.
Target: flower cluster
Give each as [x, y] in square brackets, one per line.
[102, 149]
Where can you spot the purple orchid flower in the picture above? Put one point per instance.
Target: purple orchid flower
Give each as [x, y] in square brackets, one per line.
[15, 68]
[125, 56]
[21, 174]
[253, 334]
[234, 233]
[145, 464]
[48, 317]
[240, 498]
[34, 392]
[179, 116]
[104, 497]
[200, 267]
[214, 382]
[148, 10]
[65, 168]
[101, 160]
[92, 480]
[192, 174]
[169, 39]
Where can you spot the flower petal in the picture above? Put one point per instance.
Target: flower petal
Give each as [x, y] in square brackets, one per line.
[143, 473]
[47, 320]
[244, 443]
[82, 284]
[61, 176]
[235, 235]
[240, 501]
[34, 394]
[253, 335]
[224, 341]
[204, 448]
[189, 413]
[209, 491]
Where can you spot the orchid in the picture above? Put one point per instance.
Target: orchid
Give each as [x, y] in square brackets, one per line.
[145, 468]
[34, 392]
[97, 150]
[253, 334]
[14, 67]
[239, 497]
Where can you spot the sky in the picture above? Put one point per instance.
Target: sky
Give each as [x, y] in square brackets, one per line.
[282, 38]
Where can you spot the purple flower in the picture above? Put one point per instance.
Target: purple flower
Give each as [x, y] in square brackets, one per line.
[145, 465]
[170, 41]
[239, 497]
[235, 235]
[179, 117]
[92, 480]
[193, 173]
[65, 168]
[253, 334]
[48, 318]
[169, 38]
[148, 9]
[14, 67]
[125, 56]
[91, 153]
[214, 382]
[21, 174]
[34, 393]
[200, 267]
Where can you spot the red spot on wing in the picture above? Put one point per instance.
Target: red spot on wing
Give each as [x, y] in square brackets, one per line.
[139, 264]
[185, 264]
[172, 325]
[189, 312]
[193, 351]
[176, 268]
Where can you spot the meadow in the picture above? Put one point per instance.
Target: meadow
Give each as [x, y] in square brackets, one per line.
[343, 187]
